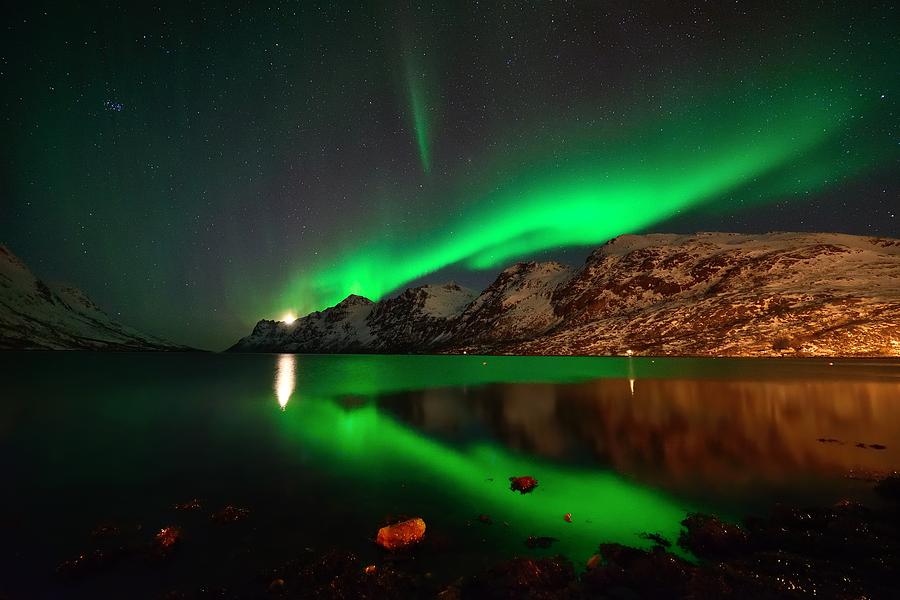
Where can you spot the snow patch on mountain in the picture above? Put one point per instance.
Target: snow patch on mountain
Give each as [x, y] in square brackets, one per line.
[39, 316]
[517, 305]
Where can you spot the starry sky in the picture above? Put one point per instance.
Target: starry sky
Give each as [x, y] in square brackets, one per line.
[197, 166]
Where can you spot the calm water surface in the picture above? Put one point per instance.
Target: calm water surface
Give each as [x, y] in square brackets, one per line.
[322, 449]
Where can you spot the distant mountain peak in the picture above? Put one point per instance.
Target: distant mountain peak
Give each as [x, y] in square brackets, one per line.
[531, 266]
[353, 300]
[706, 293]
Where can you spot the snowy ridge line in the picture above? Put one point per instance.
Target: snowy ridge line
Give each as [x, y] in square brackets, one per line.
[706, 294]
[38, 316]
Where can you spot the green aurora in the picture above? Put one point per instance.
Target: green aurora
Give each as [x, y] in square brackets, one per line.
[791, 134]
[195, 169]
[418, 108]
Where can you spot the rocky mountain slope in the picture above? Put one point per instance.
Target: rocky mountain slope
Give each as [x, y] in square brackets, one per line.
[714, 294]
[418, 318]
[38, 316]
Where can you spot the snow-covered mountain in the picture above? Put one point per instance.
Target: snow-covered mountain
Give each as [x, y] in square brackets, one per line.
[661, 294]
[418, 319]
[38, 316]
[517, 306]
[731, 294]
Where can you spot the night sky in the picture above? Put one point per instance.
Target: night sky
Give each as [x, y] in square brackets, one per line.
[195, 167]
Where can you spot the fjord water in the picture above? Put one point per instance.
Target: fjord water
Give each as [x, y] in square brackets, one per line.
[324, 449]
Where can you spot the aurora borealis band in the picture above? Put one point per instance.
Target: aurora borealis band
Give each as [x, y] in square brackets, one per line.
[419, 109]
[197, 168]
[736, 154]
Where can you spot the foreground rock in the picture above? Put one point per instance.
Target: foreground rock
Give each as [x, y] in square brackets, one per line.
[340, 576]
[840, 552]
[711, 538]
[523, 484]
[524, 578]
[718, 294]
[401, 535]
[626, 572]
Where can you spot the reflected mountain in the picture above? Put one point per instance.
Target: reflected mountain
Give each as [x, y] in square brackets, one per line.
[685, 435]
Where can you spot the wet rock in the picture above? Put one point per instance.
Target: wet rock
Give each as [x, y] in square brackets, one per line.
[709, 537]
[817, 532]
[632, 573]
[401, 535]
[843, 551]
[781, 574]
[229, 514]
[190, 505]
[544, 578]
[536, 541]
[341, 576]
[164, 542]
[166, 538]
[523, 484]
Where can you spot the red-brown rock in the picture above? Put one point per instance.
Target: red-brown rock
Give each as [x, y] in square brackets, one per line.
[401, 535]
[523, 484]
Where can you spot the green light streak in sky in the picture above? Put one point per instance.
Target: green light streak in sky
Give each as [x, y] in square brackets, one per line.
[755, 142]
[418, 106]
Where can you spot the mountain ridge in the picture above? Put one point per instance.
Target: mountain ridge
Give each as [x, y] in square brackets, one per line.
[35, 315]
[707, 294]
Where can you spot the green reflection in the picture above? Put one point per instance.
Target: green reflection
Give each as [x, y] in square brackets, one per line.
[372, 448]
